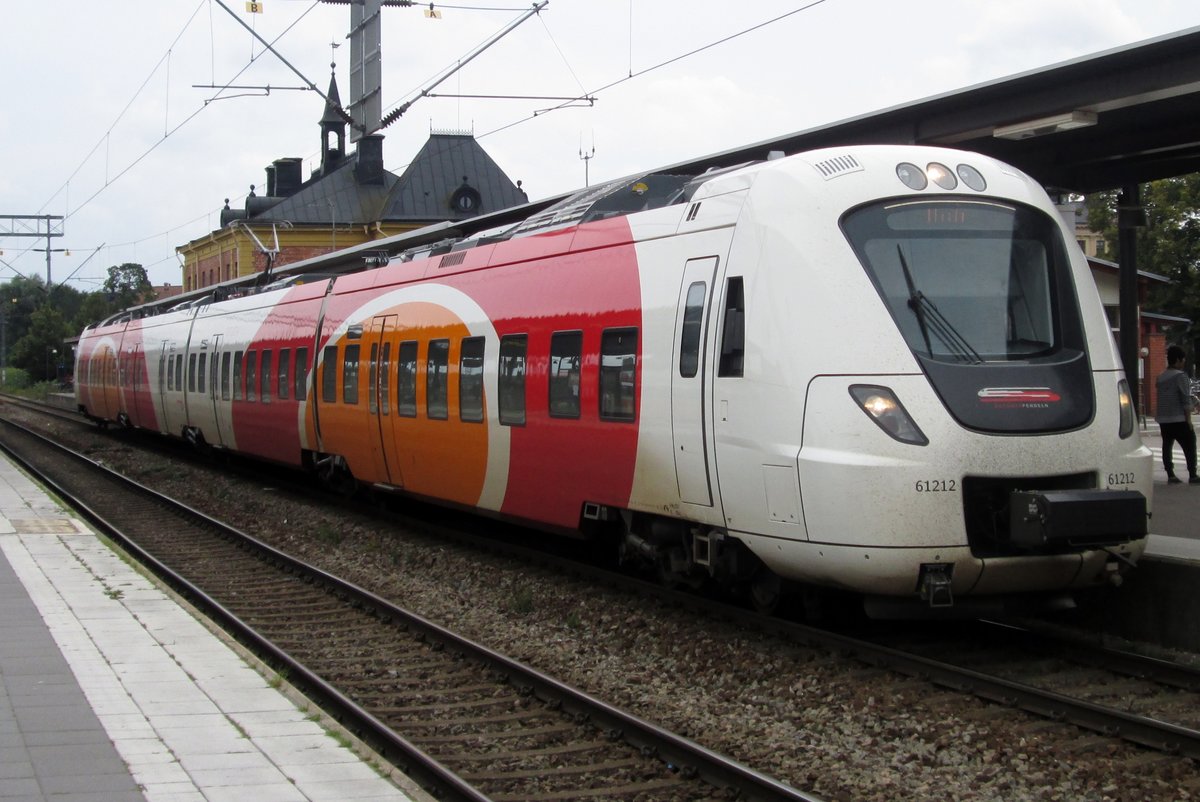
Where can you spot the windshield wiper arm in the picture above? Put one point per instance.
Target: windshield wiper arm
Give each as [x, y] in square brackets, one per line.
[929, 317]
[914, 298]
[946, 332]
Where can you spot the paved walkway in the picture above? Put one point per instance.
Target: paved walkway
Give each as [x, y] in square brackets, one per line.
[1175, 524]
[112, 692]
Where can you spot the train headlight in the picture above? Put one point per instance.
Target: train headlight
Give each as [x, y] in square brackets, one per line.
[881, 405]
[1127, 416]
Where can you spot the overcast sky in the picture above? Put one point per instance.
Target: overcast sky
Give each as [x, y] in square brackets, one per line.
[103, 121]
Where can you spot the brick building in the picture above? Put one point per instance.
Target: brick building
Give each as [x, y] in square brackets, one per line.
[1155, 329]
[349, 199]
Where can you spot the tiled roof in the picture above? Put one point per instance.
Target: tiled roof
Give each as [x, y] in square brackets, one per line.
[335, 198]
[446, 164]
[448, 167]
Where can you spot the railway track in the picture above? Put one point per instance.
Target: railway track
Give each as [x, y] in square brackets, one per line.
[1106, 701]
[466, 722]
[1148, 700]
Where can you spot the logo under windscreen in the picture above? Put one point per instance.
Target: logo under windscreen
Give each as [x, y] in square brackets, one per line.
[1019, 397]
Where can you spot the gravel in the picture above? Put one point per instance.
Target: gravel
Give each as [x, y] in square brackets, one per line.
[815, 720]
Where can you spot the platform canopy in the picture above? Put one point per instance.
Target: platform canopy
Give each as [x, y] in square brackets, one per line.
[1120, 117]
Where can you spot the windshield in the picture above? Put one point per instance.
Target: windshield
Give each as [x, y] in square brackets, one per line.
[966, 281]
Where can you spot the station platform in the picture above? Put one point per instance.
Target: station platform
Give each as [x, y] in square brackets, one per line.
[111, 691]
[1175, 523]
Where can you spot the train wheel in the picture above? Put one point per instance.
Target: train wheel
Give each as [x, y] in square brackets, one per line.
[766, 590]
[832, 608]
[195, 438]
[335, 475]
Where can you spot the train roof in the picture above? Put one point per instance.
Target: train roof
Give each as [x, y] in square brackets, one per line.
[612, 199]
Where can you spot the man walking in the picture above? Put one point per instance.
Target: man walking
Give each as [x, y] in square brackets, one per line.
[1175, 416]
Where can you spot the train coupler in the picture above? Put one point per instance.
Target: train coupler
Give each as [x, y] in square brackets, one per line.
[934, 584]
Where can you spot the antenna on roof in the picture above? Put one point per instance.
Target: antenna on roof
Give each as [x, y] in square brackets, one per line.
[586, 157]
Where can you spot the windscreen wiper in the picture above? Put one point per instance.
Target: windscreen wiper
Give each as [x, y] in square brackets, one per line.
[930, 318]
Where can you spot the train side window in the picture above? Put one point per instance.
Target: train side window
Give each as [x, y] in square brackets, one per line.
[350, 374]
[689, 337]
[733, 332]
[470, 380]
[406, 379]
[191, 373]
[238, 358]
[225, 361]
[264, 373]
[201, 370]
[512, 379]
[329, 366]
[373, 380]
[165, 365]
[179, 372]
[618, 374]
[301, 374]
[566, 357]
[285, 377]
[385, 381]
[252, 375]
[213, 367]
[437, 375]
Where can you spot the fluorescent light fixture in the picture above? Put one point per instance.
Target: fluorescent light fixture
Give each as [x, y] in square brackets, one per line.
[1046, 125]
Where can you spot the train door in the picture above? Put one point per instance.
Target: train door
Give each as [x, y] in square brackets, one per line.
[164, 365]
[219, 391]
[689, 368]
[143, 405]
[381, 403]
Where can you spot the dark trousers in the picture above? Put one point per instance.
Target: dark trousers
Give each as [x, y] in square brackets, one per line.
[1183, 434]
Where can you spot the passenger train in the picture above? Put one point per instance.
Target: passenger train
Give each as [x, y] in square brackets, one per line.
[881, 369]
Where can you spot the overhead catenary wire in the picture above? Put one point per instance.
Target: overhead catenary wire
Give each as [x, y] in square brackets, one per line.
[110, 179]
[654, 67]
[104, 138]
[154, 146]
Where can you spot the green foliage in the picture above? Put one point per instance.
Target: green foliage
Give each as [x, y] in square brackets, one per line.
[14, 379]
[1168, 245]
[36, 321]
[522, 600]
[40, 349]
[127, 285]
[95, 307]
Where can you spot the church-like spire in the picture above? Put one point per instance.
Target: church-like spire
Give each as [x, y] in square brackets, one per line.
[333, 127]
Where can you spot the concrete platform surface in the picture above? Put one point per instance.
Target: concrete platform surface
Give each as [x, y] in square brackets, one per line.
[110, 691]
[1175, 522]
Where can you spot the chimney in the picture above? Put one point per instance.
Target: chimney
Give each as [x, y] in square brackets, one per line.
[287, 176]
[368, 168]
[270, 181]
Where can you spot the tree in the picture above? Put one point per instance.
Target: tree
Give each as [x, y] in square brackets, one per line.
[40, 350]
[128, 285]
[95, 308]
[1168, 245]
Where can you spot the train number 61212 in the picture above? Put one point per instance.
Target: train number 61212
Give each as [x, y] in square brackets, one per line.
[1121, 478]
[936, 486]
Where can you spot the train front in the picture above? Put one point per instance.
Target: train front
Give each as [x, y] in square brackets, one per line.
[983, 447]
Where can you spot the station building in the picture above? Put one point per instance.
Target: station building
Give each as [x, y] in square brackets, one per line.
[1155, 330]
[349, 199]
